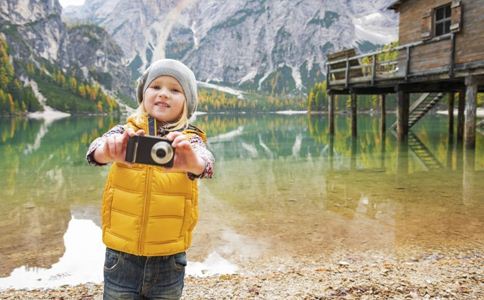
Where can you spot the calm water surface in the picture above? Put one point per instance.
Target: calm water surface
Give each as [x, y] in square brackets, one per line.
[282, 187]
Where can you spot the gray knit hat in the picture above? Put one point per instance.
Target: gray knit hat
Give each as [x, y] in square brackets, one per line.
[175, 69]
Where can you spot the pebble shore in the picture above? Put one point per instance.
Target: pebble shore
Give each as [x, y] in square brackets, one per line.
[429, 275]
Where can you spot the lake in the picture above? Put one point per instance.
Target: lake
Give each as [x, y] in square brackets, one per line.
[282, 187]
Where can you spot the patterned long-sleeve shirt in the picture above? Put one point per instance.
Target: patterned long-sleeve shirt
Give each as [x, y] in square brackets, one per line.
[195, 141]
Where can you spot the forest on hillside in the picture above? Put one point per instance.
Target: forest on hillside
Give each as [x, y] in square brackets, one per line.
[63, 91]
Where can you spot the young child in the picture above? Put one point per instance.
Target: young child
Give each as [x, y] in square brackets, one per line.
[149, 212]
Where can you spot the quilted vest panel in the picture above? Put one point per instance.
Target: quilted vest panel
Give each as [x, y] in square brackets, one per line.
[148, 211]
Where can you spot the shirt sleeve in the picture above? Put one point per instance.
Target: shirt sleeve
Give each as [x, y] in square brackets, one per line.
[201, 149]
[99, 142]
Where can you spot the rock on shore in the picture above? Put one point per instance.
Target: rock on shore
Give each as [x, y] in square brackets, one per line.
[430, 275]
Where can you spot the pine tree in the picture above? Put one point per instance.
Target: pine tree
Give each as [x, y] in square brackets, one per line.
[10, 104]
[73, 84]
[82, 90]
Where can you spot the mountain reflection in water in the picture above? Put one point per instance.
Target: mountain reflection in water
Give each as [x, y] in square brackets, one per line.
[282, 187]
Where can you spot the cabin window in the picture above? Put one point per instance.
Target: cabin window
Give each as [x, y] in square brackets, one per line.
[442, 20]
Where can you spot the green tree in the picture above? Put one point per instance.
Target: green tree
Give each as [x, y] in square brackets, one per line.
[73, 84]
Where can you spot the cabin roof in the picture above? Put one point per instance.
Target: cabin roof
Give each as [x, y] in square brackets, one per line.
[396, 4]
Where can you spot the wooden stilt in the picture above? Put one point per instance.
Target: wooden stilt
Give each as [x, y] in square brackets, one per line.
[451, 117]
[353, 115]
[450, 154]
[383, 114]
[354, 149]
[450, 138]
[402, 158]
[403, 99]
[470, 113]
[459, 158]
[331, 113]
[331, 151]
[383, 128]
[469, 177]
[460, 116]
[383, 150]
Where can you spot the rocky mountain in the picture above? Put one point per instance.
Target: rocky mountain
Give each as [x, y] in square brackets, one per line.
[35, 33]
[278, 46]
[33, 28]
[90, 49]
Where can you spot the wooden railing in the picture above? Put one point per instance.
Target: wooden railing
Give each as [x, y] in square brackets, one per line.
[386, 64]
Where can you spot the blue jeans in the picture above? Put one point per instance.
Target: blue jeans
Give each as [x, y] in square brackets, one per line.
[128, 276]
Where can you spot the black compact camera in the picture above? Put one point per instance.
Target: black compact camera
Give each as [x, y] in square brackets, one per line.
[150, 150]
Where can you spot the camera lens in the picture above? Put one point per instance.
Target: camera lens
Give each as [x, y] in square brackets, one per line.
[162, 152]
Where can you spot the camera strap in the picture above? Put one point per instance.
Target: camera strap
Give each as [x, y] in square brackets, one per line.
[153, 129]
[152, 126]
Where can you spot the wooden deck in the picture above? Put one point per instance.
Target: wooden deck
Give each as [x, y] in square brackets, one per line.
[406, 66]
[427, 66]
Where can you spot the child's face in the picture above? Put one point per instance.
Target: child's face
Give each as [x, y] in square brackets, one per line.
[164, 99]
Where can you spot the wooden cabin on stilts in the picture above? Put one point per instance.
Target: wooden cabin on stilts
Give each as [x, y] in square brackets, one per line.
[440, 51]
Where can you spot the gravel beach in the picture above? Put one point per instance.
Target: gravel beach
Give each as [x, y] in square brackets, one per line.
[366, 275]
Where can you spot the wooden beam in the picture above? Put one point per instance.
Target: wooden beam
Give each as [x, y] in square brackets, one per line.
[347, 72]
[373, 69]
[407, 67]
[452, 55]
[470, 113]
[403, 100]
[434, 86]
[460, 116]
[331, 113]
[469, 67]
[353, 115]
[372, 90]
[334, 91]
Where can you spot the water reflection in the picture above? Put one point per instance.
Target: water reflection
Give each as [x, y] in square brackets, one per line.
[282, 187]
[43, 178]
[81, 262]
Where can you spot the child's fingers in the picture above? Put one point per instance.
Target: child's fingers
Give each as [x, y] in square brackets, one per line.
[184, 144]
[106, 149]
[178, 139]
[130, 132]
[172, 135]
[124, 143]
[110, 147]
[114, 144]
[124, 136]
[119, 142]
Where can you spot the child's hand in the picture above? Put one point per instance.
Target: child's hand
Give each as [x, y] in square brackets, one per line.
[114, 148]
[186, 158]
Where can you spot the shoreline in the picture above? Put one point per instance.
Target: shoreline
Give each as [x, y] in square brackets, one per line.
[368, 275]
[479, 112]
[52, 115]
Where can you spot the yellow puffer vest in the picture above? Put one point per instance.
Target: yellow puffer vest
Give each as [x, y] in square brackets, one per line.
[148, 210]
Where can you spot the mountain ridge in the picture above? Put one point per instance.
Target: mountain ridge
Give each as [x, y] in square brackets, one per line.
[250, 44]
[41, 44]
